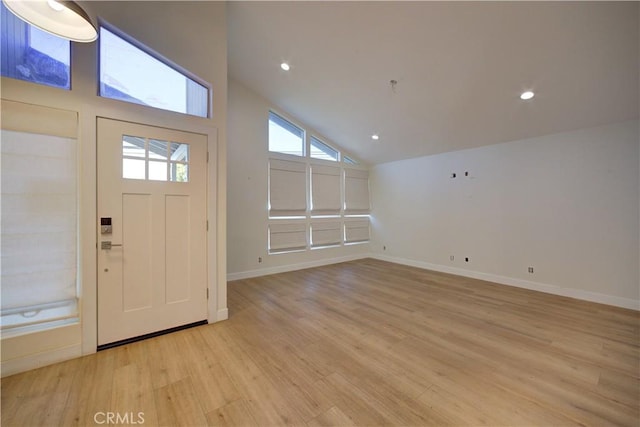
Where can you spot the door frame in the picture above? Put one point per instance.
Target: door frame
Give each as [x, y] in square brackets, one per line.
[216, 207]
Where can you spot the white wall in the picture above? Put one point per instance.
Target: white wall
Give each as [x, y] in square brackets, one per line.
[247, 195]
[565, 204]
[192, 34]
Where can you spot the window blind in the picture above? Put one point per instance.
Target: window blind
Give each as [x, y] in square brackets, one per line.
[356, 191]
[287, 237]
[287, 188]
[356, 230]
[325, 190]
[39, 228]
[325, 233]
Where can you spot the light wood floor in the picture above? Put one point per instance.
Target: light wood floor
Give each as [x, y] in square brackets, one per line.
[360, 343]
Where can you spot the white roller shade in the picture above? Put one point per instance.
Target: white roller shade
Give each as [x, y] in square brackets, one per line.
[356, 191]
[325, 233]
[325, 190]
[287, 188]
[287, 237]
[356, 230]
[39, 227]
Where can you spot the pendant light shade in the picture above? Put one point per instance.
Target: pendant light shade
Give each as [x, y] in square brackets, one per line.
[64, 19]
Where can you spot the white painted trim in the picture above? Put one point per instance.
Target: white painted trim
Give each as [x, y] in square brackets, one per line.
[222, 314]
[519, 283]
[212, 225]
[503, 280]
[293, 267]
[37, 360]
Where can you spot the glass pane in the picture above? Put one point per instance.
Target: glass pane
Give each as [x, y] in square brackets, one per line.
[133, 146]
[158, 171]
[133, 169]
[130, 81]
[33, 55]
[285, 137]
[158, 149]
[179, 152]
[320, 150]
[350, 161]
[179, 172]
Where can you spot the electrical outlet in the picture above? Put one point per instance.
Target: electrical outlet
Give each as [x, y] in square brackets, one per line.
[453, 175]
[451, 257]
[466, 259]
[259, 259]
[530, 269]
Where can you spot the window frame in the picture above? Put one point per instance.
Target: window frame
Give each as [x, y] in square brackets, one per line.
[148, 160]
[349, 161]
[321, 142]
[305, 135]
[156, 55]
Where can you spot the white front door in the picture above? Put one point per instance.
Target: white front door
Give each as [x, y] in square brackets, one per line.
[152, 192]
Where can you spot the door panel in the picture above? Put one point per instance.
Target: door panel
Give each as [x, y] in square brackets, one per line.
[154, 276]
[177, 244]
[136, 274]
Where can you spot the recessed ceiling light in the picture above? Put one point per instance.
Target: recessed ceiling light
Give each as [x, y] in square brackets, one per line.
[375, 137]
[285, 66]
[527, 95]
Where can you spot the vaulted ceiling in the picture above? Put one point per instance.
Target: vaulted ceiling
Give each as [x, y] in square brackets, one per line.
[460, 68]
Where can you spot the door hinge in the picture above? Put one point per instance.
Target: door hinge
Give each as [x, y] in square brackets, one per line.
[207, 293]
[207, 225]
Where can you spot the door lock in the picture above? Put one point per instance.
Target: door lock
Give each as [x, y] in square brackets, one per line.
[106, 245]
[105, 226]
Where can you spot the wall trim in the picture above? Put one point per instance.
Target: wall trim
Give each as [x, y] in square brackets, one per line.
[519, 283]
[502, 280]
[293, 267]
[222, 314]
[38, 360]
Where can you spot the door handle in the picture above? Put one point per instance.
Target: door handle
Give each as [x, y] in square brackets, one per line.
[106, 245]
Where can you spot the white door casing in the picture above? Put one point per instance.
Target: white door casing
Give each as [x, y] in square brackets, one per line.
[157, 279]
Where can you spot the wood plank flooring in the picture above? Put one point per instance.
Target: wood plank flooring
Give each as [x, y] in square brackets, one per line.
[360, 343]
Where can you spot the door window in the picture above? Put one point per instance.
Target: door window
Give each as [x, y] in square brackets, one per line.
[154, 159]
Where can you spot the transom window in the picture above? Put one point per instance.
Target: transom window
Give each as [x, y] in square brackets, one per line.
[320, 150]
[349, 160]
[133, 74]
[284, 136]
[33, 55]
[291, 139]
[154, 159]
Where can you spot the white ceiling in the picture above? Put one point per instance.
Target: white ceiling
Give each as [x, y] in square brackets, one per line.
[460, 67]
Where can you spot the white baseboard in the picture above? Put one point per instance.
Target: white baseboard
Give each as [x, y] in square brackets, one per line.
[520, 283]
[222, 314]
[503, 280]
[293, 267]
[38, 360]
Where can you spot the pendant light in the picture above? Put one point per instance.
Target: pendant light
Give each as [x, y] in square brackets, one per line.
[64, 19]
